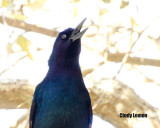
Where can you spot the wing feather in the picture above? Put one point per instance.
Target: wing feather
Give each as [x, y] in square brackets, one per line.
[32, 114]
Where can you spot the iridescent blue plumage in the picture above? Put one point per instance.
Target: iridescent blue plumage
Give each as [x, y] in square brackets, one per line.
[61, 100]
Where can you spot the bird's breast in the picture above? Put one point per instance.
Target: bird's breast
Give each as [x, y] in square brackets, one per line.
[63, 93]
[62, 100]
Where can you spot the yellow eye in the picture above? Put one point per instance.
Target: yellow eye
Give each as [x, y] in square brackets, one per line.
[63, 36]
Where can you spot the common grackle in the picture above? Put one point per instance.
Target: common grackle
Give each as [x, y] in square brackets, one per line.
[61, 100]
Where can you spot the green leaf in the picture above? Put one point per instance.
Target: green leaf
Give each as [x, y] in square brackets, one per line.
[74, 1]
[37, 4]
[5, 3]
[24, 44]
[19, 16]
[124, 4]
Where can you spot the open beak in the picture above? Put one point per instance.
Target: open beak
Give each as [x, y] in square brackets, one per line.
[76, 34]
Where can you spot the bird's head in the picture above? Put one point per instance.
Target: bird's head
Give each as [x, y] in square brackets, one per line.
[67, 46]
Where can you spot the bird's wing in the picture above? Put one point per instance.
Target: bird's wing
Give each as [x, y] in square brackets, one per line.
[32, 114]
[90, 116]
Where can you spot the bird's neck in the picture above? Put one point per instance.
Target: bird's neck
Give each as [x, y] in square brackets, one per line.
[62, 69]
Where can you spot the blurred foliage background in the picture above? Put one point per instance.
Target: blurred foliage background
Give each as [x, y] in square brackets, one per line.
[120, 57]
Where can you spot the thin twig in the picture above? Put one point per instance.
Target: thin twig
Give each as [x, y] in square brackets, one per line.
[3, 17]
[6, 69]
[127, 54]
[125, 58]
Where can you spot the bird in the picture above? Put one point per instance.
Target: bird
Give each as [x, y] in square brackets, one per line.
[61, 99]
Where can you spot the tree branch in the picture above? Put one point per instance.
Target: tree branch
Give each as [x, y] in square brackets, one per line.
[29, 27]
[118, 57]
[123, 99]
[15, 94]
